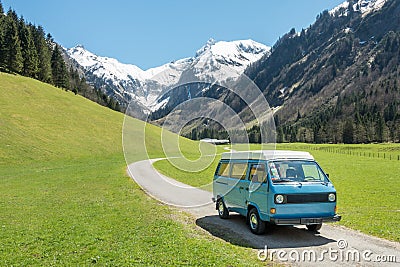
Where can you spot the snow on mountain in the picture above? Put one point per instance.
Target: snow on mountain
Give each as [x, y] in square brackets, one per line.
[236, 54]
[363, 6]
[129, 83]
[104, 66]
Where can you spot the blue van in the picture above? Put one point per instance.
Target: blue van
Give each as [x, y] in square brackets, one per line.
[274, 187]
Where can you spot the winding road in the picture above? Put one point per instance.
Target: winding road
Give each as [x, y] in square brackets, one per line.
[334, 245]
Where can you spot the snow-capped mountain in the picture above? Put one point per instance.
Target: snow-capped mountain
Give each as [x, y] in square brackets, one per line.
[363, 6]
[236, 54]
[125, 82]
[128, 83]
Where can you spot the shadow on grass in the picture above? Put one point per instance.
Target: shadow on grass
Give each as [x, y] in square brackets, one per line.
[235, 231]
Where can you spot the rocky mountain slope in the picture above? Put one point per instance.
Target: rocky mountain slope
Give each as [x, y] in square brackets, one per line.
[338, 80]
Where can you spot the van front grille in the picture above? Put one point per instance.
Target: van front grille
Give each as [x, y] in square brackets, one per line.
[305, 198]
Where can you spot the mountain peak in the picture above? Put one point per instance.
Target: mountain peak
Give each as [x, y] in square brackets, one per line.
[128, 82]
[229, 48]
[362, 6]
[206, 47]
[211, 41]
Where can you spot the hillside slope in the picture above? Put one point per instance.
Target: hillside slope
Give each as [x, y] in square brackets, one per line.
[39, 122]
[65, 198]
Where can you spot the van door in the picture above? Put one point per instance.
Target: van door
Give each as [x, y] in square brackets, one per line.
[221, 187]
[238, 195]
[258, 187]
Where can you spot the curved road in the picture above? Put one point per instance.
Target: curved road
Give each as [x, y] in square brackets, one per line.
[334, 245]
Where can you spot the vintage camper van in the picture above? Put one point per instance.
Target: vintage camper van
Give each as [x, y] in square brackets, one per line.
[274, 187]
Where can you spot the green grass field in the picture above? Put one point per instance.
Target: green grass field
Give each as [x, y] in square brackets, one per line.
[367, 186]
[65, 198]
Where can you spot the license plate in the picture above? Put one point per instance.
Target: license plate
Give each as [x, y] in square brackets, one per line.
[311, 221]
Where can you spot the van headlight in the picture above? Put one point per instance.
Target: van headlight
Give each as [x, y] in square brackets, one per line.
[279, 199]
[331, 197]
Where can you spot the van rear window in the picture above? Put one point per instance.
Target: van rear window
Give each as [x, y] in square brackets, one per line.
[223, 170]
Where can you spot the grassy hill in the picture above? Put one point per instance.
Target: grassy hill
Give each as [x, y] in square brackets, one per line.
[65, 198]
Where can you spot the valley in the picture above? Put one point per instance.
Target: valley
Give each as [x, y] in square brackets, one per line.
[66, 198]
[84, 136]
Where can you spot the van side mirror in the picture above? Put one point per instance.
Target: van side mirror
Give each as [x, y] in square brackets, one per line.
[327, 174]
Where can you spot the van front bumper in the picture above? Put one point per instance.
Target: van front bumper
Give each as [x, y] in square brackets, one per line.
[305, 221]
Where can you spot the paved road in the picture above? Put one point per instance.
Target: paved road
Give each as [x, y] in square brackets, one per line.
[334, 245]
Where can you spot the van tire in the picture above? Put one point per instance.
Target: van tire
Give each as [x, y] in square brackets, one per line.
[314, 227]
[223, 212]
[257, 226]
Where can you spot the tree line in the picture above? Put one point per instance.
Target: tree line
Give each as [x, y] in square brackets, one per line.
[25, 49]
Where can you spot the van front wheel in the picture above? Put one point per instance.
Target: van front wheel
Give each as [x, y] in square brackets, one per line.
[257, 226]
[223, 212]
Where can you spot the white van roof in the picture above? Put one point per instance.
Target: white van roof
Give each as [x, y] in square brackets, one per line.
[267, 155]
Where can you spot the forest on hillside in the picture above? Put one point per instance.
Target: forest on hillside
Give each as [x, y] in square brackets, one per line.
[25, 49]
[337, 81]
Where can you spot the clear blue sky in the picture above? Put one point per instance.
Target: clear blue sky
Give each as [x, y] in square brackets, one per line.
[149, 33]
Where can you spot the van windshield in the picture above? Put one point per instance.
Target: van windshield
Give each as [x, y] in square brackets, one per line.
[295, 171]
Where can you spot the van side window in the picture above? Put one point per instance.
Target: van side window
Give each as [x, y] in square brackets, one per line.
[239, 171]
[258, 173]
[223, 170]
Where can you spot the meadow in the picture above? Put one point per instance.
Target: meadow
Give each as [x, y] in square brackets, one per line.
[65, 197]
[367, 185]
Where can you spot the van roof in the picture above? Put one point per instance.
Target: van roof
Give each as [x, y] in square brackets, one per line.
[267, 155]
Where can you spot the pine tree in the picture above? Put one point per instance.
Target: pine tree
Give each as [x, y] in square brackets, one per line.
[380, 127]
[44, 55]
[59, 70]
[12, 60]
[2, 46]
[29, 53]
[348, 132]
[12, 15]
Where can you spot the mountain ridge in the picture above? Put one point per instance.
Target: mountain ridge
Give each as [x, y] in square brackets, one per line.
[336, 80]
[127, 82]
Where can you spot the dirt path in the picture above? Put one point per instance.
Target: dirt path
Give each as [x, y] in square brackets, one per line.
[334, 245]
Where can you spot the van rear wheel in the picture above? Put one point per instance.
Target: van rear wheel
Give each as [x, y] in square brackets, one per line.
[257, 226]
[223, 212]
[314, 227]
